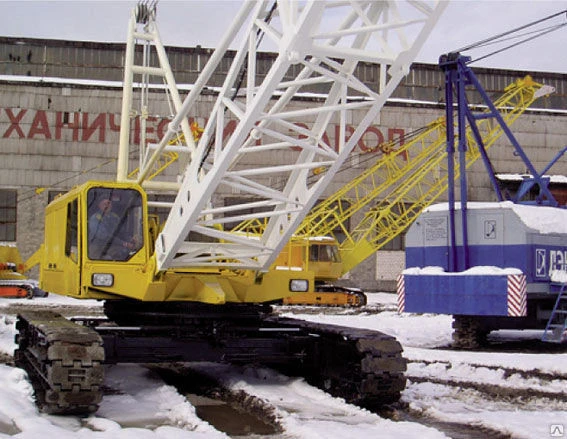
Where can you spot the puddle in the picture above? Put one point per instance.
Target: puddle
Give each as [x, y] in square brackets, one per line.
[218, 406]
[228, 419]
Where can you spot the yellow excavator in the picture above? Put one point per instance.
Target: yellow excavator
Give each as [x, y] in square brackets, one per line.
[188, 289]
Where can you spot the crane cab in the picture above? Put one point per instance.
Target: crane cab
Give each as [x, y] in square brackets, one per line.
[319, 255]
[324, 258]
[96, 243]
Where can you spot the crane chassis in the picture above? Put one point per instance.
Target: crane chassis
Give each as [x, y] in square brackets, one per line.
[65, 359]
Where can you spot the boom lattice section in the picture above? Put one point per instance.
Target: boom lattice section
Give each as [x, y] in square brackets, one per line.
[314, 49]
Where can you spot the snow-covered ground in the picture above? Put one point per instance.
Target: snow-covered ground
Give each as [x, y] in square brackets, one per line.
[520, 394]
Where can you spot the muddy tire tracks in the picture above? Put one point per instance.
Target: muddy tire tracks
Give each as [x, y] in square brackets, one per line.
[454, 430]
[188, 380]
[180, 375]
[511, 393]
[508, 371]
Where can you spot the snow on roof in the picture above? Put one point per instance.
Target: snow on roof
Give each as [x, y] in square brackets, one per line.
[474, 271]
[81, 82]
[186, 87]
[542, 219]
[521, 177]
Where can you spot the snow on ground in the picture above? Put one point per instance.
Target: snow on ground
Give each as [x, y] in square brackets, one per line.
[521, 394]
[308, 412]
[433, 331]
[425, 336]
[147, 409]
[140, 405]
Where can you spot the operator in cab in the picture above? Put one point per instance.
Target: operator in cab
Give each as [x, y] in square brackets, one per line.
[109, 234]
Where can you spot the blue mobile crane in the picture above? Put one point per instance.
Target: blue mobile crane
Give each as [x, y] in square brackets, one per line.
[497, 265]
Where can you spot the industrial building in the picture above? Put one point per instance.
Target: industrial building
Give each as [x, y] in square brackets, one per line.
[60, 119]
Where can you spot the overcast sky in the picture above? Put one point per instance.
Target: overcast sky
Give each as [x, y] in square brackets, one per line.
[191, 23]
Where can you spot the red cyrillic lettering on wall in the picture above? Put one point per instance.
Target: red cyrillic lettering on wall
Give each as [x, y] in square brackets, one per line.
[149, 129]
[228, 129]
[135, 136]
[162, 127]
[301, 136]
[396, 132]
[150, 122]
[112, 125]
[326, 140]
[349, 130]
[14, 123]
[39, 126]
[93, 127]
[366, 145]
[62, 121]
[99, 123]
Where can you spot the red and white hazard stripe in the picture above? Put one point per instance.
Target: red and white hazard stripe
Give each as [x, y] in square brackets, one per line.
[401, 289]
[517, 295]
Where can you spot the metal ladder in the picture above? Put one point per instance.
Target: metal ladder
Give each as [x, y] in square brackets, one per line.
[556, 329]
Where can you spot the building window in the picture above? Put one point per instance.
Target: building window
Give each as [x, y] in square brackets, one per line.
[510, 184]
[8, 214]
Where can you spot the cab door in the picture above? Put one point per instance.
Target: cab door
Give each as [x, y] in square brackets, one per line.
[60, 269]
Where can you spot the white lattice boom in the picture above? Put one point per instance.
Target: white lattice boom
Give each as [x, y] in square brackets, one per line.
[319, 43]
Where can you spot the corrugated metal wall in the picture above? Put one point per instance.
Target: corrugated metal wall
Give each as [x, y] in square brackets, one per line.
[104, 61]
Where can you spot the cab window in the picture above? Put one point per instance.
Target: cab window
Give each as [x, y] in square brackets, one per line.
[115, 224]
[72, 231]
[323, 253]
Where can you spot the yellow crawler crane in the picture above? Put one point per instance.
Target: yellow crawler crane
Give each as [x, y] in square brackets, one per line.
[319, 255]
[191, 290]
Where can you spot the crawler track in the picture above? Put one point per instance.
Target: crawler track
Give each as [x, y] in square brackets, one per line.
[64, 359]
[362, 366]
